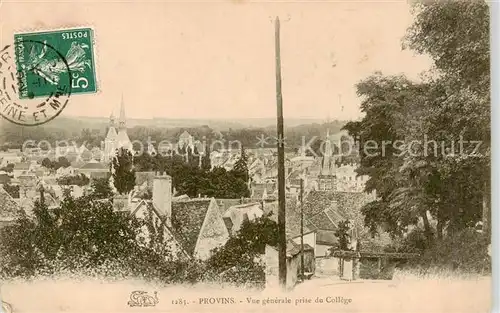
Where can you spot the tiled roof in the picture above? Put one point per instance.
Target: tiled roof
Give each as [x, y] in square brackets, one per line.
[22, 166]
[187, 219]
[293, 248]
[94, 166]
[292, 216]
[9, 209]
[320, 221]
[225, 204]
[4, 179]
[324, 209]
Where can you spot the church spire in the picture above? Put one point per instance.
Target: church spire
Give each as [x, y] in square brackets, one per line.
[112, 119]
[122, 120]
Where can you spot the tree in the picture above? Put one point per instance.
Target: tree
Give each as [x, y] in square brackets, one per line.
[9, 168]
[242, 250]
[123, 172]
[456, 35]
[79, 180]
[47, 163]
[101, 188]
[63, 162]
[342, 233]
[414, 182]
[240, 168]
[206, 164]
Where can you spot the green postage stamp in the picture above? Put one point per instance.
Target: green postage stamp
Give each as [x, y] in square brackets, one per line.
[47, 59]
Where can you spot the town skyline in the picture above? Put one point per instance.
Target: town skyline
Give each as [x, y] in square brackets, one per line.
[200, 60]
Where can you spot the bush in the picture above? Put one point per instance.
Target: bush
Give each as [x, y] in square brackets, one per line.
[464, 251]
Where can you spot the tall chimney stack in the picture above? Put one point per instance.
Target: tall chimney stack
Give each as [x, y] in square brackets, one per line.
[162, 195]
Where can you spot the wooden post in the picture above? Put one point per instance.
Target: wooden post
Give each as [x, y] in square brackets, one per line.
[302, 226]
[281, 164]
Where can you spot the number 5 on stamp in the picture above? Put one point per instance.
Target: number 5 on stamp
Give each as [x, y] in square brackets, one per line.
[40, 69]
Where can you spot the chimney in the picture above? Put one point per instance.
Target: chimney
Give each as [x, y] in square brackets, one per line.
[162, 195]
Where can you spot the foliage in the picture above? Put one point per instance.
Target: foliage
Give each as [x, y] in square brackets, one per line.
[81, 232]
[439, 175]
[101, 188]
[79, 180]
[191, 179]
[240, 168]
[465, 252]
[241, 252]
[123, 172]
[86, 236]
[342, 233]
[55, 165]
[9, 168]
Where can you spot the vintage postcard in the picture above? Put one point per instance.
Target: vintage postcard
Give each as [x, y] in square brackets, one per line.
[245, 156]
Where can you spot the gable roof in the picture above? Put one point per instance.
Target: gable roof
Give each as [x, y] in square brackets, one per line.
[324, 209]
[151, 207]
[187, 219]
[9, 209]
[293, 248]
[111, 133]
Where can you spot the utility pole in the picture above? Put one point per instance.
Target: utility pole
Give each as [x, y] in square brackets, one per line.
[281, 165]
[302, 226]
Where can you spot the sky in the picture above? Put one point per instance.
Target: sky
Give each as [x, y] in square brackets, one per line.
[217, 59]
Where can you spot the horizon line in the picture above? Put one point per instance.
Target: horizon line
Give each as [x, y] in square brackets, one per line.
[210, 118]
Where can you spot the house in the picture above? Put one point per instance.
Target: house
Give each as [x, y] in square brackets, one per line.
[293, 264]
[185, 140]
[65, 171]
[193, 227]
[325, 241]
[237, 214]
[292, 217]
[7, 157]
[28, 204]
[4, 178]
[225, 204]
[309, 240]
[9, 209]
[323, 210]
[258, 192]
[94, 169]
[21, 168]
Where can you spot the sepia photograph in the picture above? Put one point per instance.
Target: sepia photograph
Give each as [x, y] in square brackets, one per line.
[245, 156]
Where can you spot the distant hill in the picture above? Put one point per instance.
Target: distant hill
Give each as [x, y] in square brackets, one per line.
[92, 130]
[216, 124]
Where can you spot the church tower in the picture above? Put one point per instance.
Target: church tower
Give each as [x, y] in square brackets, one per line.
[122, 139]
[116, 137]
[327, 179]
[110, 140]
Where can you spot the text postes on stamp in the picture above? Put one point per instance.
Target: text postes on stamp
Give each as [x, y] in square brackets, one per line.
[28, 110]
[41, 69]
